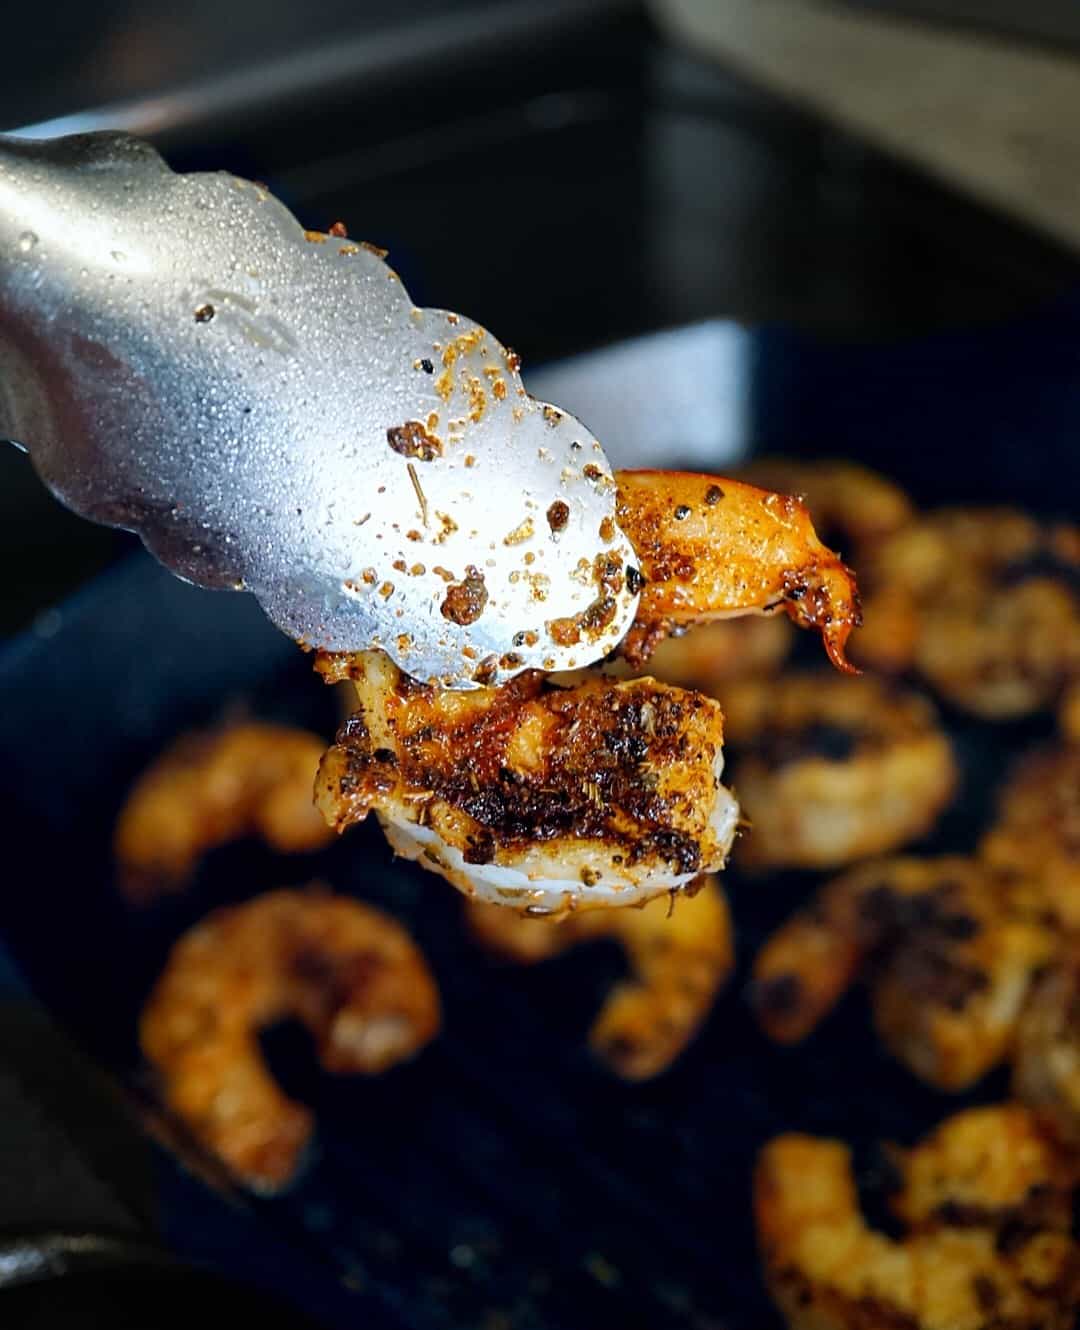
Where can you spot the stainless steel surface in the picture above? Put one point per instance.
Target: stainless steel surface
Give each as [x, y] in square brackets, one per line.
[268, 410]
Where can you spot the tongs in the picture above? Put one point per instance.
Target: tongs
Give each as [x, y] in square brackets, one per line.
[269, 411]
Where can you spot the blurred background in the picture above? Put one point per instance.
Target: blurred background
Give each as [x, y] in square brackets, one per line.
[572, 174]
[846, 227]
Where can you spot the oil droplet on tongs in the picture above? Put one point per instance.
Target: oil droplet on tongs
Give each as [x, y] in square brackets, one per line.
[26, 242]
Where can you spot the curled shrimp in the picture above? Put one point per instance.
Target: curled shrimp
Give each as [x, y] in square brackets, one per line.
[831, 770]
[982, 603]
[950, 950]
[711, 548]
[603, 793]
[348, 971]
[678, 958]
[216, 786]
[987, 1211]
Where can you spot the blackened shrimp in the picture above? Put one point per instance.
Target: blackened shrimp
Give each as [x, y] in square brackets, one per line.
[348, 971]
[831, 770]
[539, 797]
[253, 779]
[987, 1210]
[949, 948]
[678, 956]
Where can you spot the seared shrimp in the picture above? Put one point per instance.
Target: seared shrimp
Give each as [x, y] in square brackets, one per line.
[986, 601]
[539, 797]
[949, 949]
[218, 786]
[1046, 1065]
[678, 958]
[712, 548]
[988, 1243]
[1037, 835]
[830, 770]
[349, 972]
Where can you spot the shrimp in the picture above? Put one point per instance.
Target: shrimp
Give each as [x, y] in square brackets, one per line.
[607, 792]
[1037, 834]
[987, 1212]
[950, 950]
[541, 797]
[216, 786]
[1046, 1064]
[831, 770]
[982, 603]
[712, 548]
[348, 971]
[678, 960]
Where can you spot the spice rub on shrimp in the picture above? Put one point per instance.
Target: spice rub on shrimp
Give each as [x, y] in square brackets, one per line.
[983, 603]
[679, 958]
[709, 548]
[215, 786]
[950, 950]
[348, 971]
[830, 770]
[540, 797]
[987, 1212]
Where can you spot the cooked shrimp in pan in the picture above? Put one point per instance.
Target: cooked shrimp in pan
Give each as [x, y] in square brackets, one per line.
[1037, 834]
[607, 792]
[987, 1210]
[830, 770]
[253, 779]
[1046, 1064]
[348, 971]
[604, 793]
[986, 601]
[949, 949]
[539, 797]
[679, 957]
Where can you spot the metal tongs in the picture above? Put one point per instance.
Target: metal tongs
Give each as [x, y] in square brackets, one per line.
[268, 410]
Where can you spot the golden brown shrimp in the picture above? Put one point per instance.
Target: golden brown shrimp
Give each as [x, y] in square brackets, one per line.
[949, 949]
[831, 770]
[607, 792]
[988, 1245]
[983, 603]
[217, 786]
[1046, 1064]
[348, 971]
[710, 548]
[845, 499]
[679, 958]
[1037, 835]
[539, 797]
